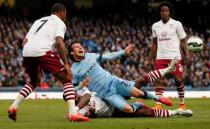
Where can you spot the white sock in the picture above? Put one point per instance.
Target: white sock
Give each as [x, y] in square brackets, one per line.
[76, 109]
[71, 107]
[163, 72]
[20, 98]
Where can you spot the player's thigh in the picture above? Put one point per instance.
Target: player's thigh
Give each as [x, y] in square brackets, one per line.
[178, 74]
[116, 100]
[124, 87]
[135, 92]
[51, 63]
[161, 64]
[32, 68]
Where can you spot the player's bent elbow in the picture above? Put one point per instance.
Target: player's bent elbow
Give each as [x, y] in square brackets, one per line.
[87, 98]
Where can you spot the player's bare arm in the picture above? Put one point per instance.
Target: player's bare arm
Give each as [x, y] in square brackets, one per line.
[185, 50]
[84, 100]
[24, 41]
[152, 52]
[63, 54]
[113, 55]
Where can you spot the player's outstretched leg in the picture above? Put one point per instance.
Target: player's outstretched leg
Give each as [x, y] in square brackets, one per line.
[156, 74]
[138, 93]
[147, 111]
[168, 113]
[159, 90]
[25, 91]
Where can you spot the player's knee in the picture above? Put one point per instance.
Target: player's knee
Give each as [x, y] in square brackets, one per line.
[179, 81]
[138, 94]
[63, 77]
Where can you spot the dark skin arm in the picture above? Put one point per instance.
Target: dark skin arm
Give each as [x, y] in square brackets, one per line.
[185, 51]
[24, 42]
[84, 100]
[61, 49]
[153, 52]
[63, 54]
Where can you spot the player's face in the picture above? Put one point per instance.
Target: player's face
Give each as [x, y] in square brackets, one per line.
[63, 15]
[78, 51]
[165, 13]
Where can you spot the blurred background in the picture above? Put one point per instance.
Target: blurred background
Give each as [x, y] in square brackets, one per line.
[105, 26]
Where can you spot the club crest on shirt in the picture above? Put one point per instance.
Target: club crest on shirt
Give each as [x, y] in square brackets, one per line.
[163, 34]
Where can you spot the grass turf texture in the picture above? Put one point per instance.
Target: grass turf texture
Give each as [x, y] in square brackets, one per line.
[48, 114]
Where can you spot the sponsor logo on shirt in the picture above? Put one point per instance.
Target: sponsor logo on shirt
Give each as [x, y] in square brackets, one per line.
[89, 70]
[164, 36]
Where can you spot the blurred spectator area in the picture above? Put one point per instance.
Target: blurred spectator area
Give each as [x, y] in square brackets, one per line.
[103, 33]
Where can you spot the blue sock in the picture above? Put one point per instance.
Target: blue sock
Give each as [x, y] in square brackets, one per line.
[136, 106]
[148, 95]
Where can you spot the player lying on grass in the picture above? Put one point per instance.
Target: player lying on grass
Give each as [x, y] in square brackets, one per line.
[109, 87]
[96, 107]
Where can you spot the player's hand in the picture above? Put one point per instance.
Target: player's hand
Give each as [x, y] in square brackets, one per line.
[68, 70]
[129, 49]
[85, 82]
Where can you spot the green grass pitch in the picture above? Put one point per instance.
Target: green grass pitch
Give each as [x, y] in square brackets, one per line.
[48, 114]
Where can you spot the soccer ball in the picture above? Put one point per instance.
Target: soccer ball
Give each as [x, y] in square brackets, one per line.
[194, 44]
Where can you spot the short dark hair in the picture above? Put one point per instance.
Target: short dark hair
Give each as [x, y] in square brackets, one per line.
[58, 7]
[70, 49]
[169, 5]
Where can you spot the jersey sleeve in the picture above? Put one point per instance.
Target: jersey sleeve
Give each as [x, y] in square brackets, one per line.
[180, 30]
[154, 34]
[60, 31]
[93, 56]
[112, 55]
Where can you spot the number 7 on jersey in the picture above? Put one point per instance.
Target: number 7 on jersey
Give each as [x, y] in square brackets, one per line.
[44, 22]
